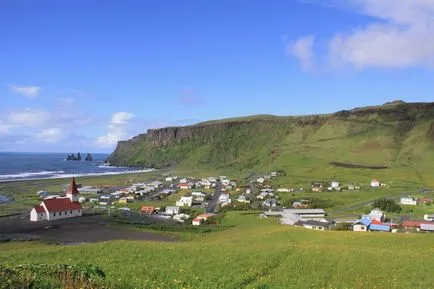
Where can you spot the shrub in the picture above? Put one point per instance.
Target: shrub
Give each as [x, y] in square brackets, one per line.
[80, 275]
[387, 205]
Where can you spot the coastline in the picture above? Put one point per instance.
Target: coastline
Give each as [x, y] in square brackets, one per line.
[66, 176]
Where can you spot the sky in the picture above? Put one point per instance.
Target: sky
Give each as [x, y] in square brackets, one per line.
[81, 75]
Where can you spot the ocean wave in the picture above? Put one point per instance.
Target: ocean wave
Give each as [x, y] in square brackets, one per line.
[27, 175]
[61, 175]
[110, 167]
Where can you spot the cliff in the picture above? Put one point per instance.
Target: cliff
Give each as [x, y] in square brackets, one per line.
[393, 133]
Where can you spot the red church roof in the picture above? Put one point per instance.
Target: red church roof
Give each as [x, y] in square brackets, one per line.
[39, 209]
[72, 188]
[61, 204]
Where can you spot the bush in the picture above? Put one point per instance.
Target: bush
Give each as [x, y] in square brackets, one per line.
[80, 275]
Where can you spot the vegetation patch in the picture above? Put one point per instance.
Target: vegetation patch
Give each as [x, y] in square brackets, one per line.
[79, 275]
[357, 166]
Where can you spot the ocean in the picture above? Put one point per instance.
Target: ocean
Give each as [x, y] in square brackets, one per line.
[29, 166]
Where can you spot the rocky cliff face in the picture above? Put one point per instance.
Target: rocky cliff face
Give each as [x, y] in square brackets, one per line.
[252, 141]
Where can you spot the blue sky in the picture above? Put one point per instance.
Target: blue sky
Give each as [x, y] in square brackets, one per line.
[80, 75]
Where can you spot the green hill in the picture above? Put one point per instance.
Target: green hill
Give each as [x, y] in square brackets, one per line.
[397, 135]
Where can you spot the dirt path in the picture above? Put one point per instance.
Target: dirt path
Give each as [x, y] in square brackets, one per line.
[76, 230]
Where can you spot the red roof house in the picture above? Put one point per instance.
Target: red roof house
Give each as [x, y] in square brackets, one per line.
[147, 210]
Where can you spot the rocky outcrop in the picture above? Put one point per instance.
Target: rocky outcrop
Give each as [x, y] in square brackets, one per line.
[89, 157]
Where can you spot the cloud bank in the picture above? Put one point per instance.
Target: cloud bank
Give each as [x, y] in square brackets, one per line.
[400, 35]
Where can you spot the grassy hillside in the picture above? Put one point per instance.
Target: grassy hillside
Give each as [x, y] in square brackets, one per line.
[399, 136]
[256, 253]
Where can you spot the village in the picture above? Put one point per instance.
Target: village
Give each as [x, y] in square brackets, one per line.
[198, 202]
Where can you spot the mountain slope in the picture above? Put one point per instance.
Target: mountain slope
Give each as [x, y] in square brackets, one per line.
[396, 135]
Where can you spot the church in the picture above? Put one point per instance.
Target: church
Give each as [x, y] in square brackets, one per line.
[58, 208]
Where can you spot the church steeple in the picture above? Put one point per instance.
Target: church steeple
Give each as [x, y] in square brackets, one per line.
[72, 191]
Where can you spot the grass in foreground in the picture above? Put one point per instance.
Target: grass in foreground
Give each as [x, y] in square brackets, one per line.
[257, 253]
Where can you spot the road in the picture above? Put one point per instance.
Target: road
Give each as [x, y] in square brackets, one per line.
[215, 197]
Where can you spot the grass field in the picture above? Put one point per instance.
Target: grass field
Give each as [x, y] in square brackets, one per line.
[256, 253]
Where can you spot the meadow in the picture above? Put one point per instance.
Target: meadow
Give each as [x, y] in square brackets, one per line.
[255, 253]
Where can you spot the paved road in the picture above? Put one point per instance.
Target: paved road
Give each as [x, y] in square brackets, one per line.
[215, 197]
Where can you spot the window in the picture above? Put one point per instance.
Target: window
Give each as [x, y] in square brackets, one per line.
[70, 212]
[41, 215]
[54, 214]
[362, 227]
[60, 213]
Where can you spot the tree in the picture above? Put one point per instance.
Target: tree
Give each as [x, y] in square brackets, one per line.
[387, 205]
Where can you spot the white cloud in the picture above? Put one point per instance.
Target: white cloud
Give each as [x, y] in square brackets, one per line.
[302, 49]
[400, 35]
[50, 134]
[116, 130]
[28, 91]
[28, 117]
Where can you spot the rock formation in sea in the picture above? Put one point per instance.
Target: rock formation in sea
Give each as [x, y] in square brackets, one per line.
[89, 157]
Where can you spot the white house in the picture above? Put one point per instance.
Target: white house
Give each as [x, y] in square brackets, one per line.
[335, 185]
[156, 184]
[58, 208]
[243, 199]
[183, 181]
[225, 182]
[260, 180]
[169, 179]
[428, 217]
[375, 183]
[198, 194]
[181, 217]
[376, 214]
[172, 210]
[185, 202]
[224, 200]
[262, 195]
[408, 201]
[283, 190]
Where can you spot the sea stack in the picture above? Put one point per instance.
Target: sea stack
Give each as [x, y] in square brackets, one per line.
[88, 157]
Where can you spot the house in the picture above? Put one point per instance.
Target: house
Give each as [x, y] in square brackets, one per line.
[156, 184]
[313, 225]
[225, 182]
[224, 199]
[185, 202]
[58, 207]
[270, 203]
[183, 181]
[202, 218]
[427, 227]
[172, 210]
[197, 222]
[42, 194]
[408, 201]
[284, 190]
[181, 217]
[376, 214]
[428, 217]
[260, 180]
[362, 225]
[262, 195]
[426, 201]
[317, 187]
[273, 174]
[303, 204]
[375, 183]
[352, 187]
[149, 210]
[198, 194]
[307, 213]
[335, 185]
[243, 199]
[410, 224]
[169, 179]
[184, 186]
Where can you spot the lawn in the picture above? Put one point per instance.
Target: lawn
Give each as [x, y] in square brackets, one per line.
[256, 253]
